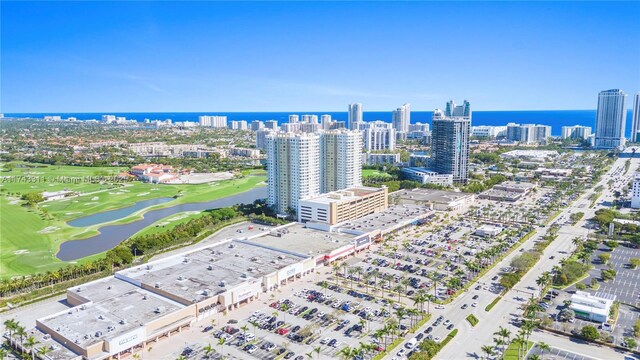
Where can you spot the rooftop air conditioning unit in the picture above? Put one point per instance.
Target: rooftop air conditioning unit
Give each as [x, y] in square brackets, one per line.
[123, 321]
[180, 278]
[209, 267]
[159, 309]
[144, 297]
[149, 267]
[157, 285]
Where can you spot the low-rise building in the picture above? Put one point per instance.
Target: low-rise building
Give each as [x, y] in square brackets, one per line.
[342, 205]
[56, 195]
[440, 200]
[488, 230]
[121, 315]
[594, 307]
[377, 159]
[426, 176]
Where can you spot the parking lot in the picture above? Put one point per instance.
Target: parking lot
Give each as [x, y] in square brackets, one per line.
[323, 317]
[435, 261]
[626, 284]
[557, 354]
[623, 328]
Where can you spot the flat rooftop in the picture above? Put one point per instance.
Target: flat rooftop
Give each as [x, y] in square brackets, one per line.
[299, 239]
[212, 270]
[530, 153]
[515, 185]
[386, 219]
[107, 319]
[429, 195]
[345, 194]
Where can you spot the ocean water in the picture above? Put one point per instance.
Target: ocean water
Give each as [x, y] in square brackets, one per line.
[556, 118]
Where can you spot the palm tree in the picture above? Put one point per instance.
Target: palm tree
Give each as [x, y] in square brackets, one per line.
[400, 312]
[244, 329]
[488, 350]
[534, 357]
[544, 347]
[207, 350]
[3, 353]
[21, 333]
[412, 313]
[346, 353]
[221, 342]
[317, 351]
[398, 289]
[324, 285]
[10, 325]
[500, 344]
[351, 271]
[31, 344]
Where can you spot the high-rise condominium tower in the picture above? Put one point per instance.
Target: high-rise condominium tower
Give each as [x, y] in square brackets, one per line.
[463, 110]
[355, 116]
[401, 117]
[293, 169]
[610, 119]
[635, 125]
[340, 160]
[301, 165]
[450, 143]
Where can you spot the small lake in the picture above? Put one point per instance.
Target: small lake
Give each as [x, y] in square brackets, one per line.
[112, 235]
[112, 215]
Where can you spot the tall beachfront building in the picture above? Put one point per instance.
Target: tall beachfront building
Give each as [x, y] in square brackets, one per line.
[355, 116]
[400, 118]
[293, 169]
[610, 119]
[213, 121]
[576, 132]
[340, 160]
[635, 125]
[302, 165]
[460, 111]
[450, 142]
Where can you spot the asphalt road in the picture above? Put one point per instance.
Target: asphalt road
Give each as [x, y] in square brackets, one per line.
[468, 342]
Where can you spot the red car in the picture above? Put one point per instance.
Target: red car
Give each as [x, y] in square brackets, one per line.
[273, 305]
[282, 331]
[379, 348]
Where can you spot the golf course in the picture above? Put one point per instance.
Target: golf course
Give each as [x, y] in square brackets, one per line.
[30, 236]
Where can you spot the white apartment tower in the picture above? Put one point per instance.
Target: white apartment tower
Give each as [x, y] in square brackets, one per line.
[635, 125]
[576, 132]
[610, 119]
[340, 160]
[378, 135]
[355, 116]
[293, 169]
[400, 118]
[213, 121]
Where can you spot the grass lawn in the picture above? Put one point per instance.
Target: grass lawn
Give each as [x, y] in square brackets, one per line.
[29, 238]
[511, 353]
[373, 172]
[170, 222]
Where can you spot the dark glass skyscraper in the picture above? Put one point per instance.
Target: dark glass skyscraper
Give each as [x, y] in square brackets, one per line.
[450, 141]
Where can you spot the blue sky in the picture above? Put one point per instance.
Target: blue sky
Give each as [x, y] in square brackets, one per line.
[306, 56]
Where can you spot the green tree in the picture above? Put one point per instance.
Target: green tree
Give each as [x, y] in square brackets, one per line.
[589, 333]
[32, 198]
[634, 262]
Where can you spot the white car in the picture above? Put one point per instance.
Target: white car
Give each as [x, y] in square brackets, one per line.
[325, 340]
[436, 339]
[475, 304]
[401, 352]
[439, 306]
